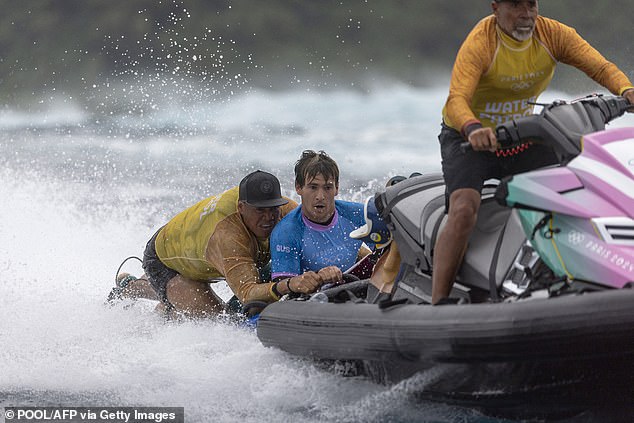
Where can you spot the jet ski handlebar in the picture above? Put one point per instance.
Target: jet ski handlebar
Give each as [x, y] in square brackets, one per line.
[561, 124]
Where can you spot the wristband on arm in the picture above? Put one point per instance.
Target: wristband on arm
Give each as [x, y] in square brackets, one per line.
[470, 128]
[274, 292]
[288, 286]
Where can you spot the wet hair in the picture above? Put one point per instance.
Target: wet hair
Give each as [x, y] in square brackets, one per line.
[311, 164]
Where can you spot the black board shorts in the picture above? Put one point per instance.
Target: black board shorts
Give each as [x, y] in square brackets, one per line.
[470, 169]
[157, 273]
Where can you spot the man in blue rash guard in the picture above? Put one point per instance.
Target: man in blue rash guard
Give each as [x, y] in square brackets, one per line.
[312, 241]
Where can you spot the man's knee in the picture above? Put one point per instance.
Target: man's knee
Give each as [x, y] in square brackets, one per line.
[463, 208]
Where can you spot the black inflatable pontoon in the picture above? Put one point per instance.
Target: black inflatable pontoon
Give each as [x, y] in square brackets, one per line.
[551, 351]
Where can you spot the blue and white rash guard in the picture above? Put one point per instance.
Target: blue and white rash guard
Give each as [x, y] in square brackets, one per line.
[299, 245]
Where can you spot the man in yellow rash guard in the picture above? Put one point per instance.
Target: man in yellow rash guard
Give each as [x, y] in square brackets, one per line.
[505, 63]
[221, 236]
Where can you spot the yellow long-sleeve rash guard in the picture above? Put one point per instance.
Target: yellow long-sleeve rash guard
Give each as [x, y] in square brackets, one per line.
[495, 77]
[209, 240]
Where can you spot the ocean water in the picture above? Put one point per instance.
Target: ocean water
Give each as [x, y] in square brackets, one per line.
[84, 187]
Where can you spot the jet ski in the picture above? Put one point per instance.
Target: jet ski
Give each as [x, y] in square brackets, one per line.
[542, 310]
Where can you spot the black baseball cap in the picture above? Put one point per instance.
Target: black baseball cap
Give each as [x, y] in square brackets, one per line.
[261, 189]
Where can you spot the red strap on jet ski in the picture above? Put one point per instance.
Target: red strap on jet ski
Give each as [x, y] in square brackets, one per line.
[513, 151]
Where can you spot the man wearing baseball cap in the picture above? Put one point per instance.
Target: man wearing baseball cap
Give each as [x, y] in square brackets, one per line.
[505, 63]
[223, 236]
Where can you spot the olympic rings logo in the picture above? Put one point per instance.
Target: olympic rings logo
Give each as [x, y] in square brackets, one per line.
[575, 238]
[521, 86]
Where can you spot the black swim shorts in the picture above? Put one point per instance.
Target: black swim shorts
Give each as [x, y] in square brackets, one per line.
[469, 169]
[157, 273]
